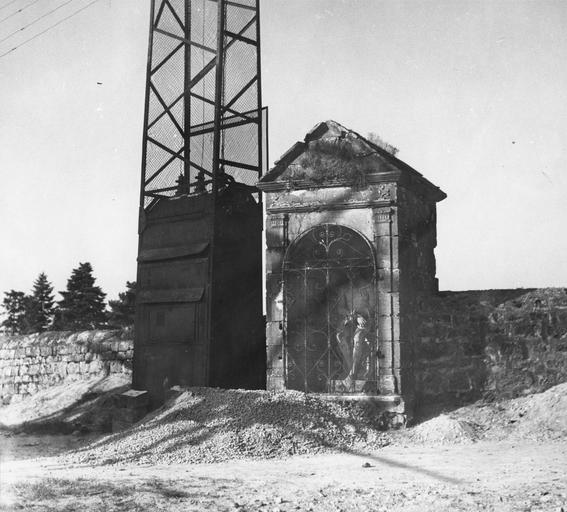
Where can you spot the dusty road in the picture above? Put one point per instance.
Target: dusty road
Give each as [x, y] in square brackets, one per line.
[481, 476]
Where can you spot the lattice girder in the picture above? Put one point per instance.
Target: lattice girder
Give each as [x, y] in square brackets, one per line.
[203, 122]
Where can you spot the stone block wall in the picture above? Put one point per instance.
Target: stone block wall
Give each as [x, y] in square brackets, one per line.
[417, 241]
[489, 344]
[36, 361]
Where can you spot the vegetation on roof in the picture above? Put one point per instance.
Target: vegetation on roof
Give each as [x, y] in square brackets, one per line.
[334, 159]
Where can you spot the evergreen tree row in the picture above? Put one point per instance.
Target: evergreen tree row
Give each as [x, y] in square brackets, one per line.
[82, 306]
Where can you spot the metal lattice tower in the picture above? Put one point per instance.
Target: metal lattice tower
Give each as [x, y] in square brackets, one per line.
[199, 284]
[203, 121]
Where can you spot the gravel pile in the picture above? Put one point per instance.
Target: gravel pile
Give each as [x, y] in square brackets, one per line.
[443, 430]
[212, 425]
[540, 417]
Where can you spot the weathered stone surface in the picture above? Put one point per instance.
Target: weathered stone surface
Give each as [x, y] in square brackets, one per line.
[274, 356]
[44, 351]
[96, 366]
[274, 333]
[493, 343]
[99, 336]
[63, 350]
[275, 231]
[30, 363]
[115, 367]
[274, 299]
[84, 336]
[133, 399]
[274, 259]
[274, 382]
[386, 382]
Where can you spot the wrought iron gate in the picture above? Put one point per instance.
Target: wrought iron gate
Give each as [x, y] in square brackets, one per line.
[330, 343]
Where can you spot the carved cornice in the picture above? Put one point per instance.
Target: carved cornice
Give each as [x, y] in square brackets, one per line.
[382, 215]
[321, 205]
[345, 198]
[277, 221]
[410, 180]
[275, 186]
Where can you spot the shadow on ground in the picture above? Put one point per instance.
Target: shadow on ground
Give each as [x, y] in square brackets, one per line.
[78, 406]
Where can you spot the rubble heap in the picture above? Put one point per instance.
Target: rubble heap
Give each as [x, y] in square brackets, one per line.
[212, 425]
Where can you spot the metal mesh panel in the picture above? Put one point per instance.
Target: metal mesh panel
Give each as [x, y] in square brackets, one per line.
[202, 123]
[241, 151]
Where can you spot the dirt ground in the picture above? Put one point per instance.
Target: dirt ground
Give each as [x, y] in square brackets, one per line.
[483, 476]
[509, 455]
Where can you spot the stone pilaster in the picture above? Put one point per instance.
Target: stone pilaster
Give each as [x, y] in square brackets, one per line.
[276, 243]
[387, 291]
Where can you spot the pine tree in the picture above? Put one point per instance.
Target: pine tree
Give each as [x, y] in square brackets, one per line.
[82, 306]
[14, 305]
[39, 310]
[122, 311]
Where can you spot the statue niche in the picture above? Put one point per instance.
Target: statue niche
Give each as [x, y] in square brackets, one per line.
[330, 309]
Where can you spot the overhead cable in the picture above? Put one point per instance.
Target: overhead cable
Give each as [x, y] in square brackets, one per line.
[19, 11]
[48, 28]
[9, 3]
[36, 20]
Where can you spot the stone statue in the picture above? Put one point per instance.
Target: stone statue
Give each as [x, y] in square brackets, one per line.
[353, 344]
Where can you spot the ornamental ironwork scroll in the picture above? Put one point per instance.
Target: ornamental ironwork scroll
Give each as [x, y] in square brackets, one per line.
[329, 297]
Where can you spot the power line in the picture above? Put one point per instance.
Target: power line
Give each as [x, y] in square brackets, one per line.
[49, 28]
[9, 3]
[36, 20]
[19, 11]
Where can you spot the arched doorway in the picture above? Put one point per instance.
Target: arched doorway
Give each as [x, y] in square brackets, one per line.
[329, 294]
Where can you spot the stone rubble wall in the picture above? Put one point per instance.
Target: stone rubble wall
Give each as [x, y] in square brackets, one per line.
[490, 344]
[468, 345]
[32, 362]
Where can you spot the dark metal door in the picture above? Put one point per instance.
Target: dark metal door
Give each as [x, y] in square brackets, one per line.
[330, 312]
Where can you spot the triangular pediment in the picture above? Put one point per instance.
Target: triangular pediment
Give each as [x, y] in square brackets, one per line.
[331, 153]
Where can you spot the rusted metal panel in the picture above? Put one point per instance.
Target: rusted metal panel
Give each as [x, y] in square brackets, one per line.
[170, 323]
[172, 316]
[170, 364]
[167, 253]
[195, 329]
[237, 357]
[174, 275]
[180, 295]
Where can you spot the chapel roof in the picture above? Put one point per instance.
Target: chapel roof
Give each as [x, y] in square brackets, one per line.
[332, 155]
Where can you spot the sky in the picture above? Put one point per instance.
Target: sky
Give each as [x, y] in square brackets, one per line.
[473, 93]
